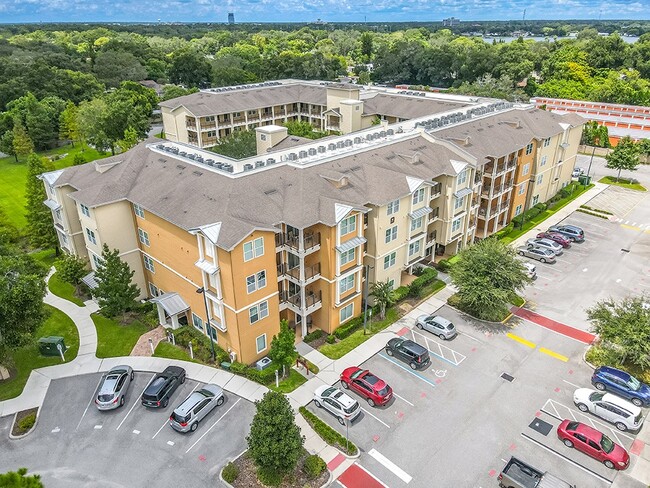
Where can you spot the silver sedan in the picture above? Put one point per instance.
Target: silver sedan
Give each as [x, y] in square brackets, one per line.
[542, 255]
[113, 387]
[546, 244]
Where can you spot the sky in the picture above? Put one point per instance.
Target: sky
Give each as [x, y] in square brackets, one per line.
[311, 10]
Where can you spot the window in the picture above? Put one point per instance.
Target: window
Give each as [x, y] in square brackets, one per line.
[96, 261]
[197, 322]
[416, 223]
[346, 312]
[209, 118]
[389, 260]
[263, 137]
[57, 213]
[258, 312]
[391, 234]
[347, 256]
[391, 284]
[543, 161]
[522, 189]
[143, 236]
[138, 210]
[547, 142]
[518, 210]
[525, 169]
[348, 225]
[212, 133]
[540, 178]
[91, 236]
[255, 281]
[461, 178]
[392, 207]
[85, 210]
[148, 263]
[253, 249]
[260, 342]
[455, 225]
[208, 247]
[346, 284]
[459, 202]
[153, 290]
[414, 248]
[535, 199]
[529, 148]
[418, 196]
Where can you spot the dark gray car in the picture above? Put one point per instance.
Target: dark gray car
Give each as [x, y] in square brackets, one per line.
[162, 387]
[412, 353]
[113, 387]
[186, 417]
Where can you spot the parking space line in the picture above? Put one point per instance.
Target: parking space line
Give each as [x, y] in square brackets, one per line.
[212, 426]
[569, 383]
[521, 340]
[136, 402]
[553, 354]
[418, 375]
[568, 460]
[392, 467]
[376, 418]
[457, 357]
[403, 399]
[91, 400]
[167, 419]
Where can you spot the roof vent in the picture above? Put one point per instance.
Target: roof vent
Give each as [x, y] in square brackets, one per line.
[180, 166]
[416, 158]
[337, 182]
[248, 167]
[259, 164]
[197, 173]
[270, 192]
[270, 161]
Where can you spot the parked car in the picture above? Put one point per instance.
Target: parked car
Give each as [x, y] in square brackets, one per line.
[531, 269]
[518, 474]
[571, 232]
[593, 443]
[555, 237]
[162, 387]
[577, 172]
[342, 406]
[437, 325]
[546, 244]
[186, 417]
[542, 255]
[408, 351]
[113, 387]
[375, 390]
[622, 384]
[618, 411]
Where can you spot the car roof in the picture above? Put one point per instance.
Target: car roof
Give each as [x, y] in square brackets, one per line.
[572, 227]
[613, 371]
[173, 371]
[588, 431]
[189, 403]
[342, 398]
[440, 320]
[414, 346]
[108, 385]
[621, 402]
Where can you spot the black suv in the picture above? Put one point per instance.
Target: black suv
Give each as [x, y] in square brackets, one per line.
[163, 386]
[408, 351]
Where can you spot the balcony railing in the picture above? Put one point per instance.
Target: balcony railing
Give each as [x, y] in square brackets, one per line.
[310, 271]
[435, 214]
[309, 241]
[436, 190]
[311, 298]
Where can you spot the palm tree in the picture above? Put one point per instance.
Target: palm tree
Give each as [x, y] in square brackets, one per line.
[384, 296]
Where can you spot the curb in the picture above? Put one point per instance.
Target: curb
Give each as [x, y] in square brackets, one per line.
[22, 436]
[584, 357]
[475, 318]
[510, 315]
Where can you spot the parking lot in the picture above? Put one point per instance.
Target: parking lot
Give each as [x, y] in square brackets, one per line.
[74, 444]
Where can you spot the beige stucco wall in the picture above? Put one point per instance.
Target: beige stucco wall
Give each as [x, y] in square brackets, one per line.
[174, 124]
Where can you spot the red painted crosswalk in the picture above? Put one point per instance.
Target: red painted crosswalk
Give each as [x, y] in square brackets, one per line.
[555, 326]
[357, 477]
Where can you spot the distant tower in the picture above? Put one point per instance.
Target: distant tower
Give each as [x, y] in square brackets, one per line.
[231, 18]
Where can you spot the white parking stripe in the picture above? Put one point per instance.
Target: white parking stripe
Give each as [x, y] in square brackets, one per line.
[91, 400]
[167, 420]
[376, 418]
[403, 399]
[572, 384]
[387, 463]
[136, 402]
[212, 426]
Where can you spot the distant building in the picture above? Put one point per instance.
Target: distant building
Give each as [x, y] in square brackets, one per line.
[451, 21]
[231, 18]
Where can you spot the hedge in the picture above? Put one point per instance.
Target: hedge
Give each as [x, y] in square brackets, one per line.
[313, 336]
[328, 434]
[200, 345]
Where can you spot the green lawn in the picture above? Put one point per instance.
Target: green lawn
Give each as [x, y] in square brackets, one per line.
[28, 358]
[114, 339]
[64, 290]
[290, 383]
[13, 177]
[170, 351]
[623, 182]
[46, 257]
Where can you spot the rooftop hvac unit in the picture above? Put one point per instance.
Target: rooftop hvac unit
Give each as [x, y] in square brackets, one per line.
[339, 144]
[418, 124]
[259, 164]
[302, 154]
[174, 150]
[331, 146]
[199, 159]
[390, 132]
[312, 151]
[228, 168]
[182, 153]
[248, 167]
[210, 162]
[160, 146]
[423, 94]
[270, 161]
[191, 156]
[322, 149]
[292, 156]
[348, 142]
[382, 133]
[219, 165]
[357, 140]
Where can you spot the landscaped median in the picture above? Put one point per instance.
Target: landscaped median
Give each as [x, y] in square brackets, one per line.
[328, 434]
[622, 182]
[115, 339]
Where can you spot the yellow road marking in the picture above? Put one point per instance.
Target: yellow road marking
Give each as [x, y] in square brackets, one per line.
[631, 227]
[553, 354]
[521, 340]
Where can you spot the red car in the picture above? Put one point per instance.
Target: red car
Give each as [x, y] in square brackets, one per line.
[375, 390]
[593, 443]
[555, 236]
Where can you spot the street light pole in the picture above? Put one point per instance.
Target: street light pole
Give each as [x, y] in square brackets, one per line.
[365, 298]
[591, 160]
[207, 318]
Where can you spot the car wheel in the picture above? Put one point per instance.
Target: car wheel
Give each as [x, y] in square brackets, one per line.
[442, 336]
[413, 365]
[621, 426]
[608, 463]
[567, 443]
[344, 385]
[542, 260]
[341, 420]
[122, 402]
[418, 325]
[221, 400]
[637, 402]
[600, 386]
[522, 253]
[582, 407]
[317, 403]
[370, 402]
[194, 426]
[132, 375]
[165, 402]
[389, 352]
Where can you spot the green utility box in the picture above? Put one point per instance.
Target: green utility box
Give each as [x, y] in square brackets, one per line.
[584, 180]
[49, 346]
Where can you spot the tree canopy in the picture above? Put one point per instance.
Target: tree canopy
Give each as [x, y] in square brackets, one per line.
[115, 292]
[625, 156]
[20, 479]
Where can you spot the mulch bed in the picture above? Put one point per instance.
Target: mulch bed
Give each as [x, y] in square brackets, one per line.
[15, 429]
[248, 478]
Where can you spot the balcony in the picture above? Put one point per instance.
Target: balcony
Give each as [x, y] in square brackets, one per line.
[208, 126]
[311, 272]
[436, 190]
[309, 242]
[336, 127]
[313, 299]
[433, 216]
[478, 177]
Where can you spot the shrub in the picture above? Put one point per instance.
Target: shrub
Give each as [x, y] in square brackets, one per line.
[415, 289]
[314, 466]
[349, 328]
[401, 293]
[327, 433]
[230, 472]
[443, 265]
[331, 339]
[200, 345]
[269, 477]
[313, 336]
[453, 301]
[27, 422]
[541, 207]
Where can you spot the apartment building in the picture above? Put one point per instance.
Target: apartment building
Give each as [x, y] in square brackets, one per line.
[288, 234]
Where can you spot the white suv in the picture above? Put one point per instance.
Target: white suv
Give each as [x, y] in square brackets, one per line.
[623, 414]
[338, 403]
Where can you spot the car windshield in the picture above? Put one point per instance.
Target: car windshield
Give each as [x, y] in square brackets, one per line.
[607, 444]
[633, 383]
[328, 391]
[383, 391]
[206, 393]
[356, 374]
[596, 396]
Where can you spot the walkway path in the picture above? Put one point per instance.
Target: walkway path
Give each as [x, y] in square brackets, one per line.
[143, 348]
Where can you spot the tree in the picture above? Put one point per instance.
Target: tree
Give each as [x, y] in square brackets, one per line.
[366, 40]
[487, 274]
[302, 128]
[71, 269]
[40, 226]
[173, 91]
[274, 441]
[19, 479]
[624, 328]
[283, 347]
[129, 140]
[644, 149]
[190, 69]
[69, 124]
[22, 143]
[238, 145]
[7, 144]
[594, 134]
[384, 296]
[625, 156]
[114, 67]
[115, 292]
